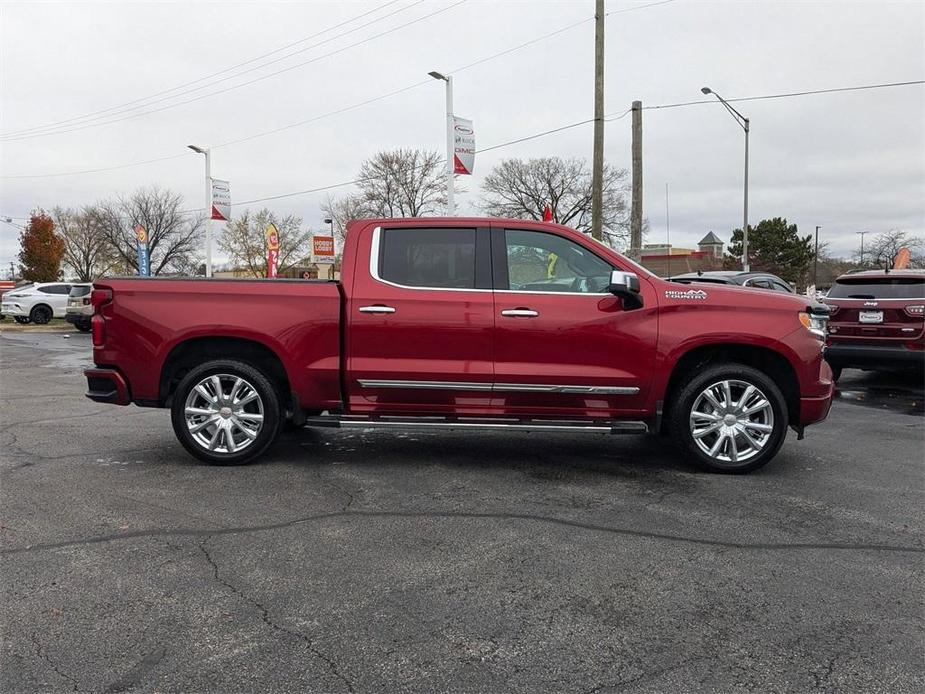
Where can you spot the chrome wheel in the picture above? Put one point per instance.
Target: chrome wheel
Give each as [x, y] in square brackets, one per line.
[224, 413]
[732, 421]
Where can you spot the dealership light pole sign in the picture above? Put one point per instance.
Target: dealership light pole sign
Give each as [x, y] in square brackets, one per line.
[272, 236]
[463, 146]
[141, 244]
[221, 200]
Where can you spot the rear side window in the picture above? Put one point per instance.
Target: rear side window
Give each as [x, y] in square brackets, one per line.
[81, 290]
[885, 288]
[440, 258]
[55, 289]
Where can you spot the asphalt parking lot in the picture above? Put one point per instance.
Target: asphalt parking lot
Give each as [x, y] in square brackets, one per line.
[370, 562]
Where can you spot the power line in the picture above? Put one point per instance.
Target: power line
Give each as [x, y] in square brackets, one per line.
[242, 84]
[206, 77]
[339, 111]
[791, 94]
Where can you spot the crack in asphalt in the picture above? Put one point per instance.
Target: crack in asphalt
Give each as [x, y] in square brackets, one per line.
[265, 617]
[54, 666]
[465, 515]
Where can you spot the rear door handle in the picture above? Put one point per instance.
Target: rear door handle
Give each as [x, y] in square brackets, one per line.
[376, 309]
[520, 313]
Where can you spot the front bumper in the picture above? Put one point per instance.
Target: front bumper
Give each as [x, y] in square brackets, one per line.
[815, 408]
[12, 309]
[107, 385]
[838, 354]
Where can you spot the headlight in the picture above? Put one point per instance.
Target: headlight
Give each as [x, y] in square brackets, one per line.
[815, 323]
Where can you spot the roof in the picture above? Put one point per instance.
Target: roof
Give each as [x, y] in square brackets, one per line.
[883, 273]
[709, 239]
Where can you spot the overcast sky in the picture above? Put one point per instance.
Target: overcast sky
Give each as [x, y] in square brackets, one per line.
[850, 161]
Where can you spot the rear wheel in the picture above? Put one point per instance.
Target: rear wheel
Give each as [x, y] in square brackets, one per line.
[226, 412]
[836, 373]
[22, 320]
[40, 315]
[730, 418]
[84, 326]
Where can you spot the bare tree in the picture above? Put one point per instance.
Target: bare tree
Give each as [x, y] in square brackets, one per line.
[174, 238]
[244, 240]
[884, 248]
[87, 251]
[522, 190]
[343, 210]
[402, 183]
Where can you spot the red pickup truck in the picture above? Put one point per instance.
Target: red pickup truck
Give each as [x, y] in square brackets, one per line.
[471, 324]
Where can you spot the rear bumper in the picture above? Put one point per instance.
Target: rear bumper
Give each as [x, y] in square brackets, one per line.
[107, 385]
[77, 318]
[872, 355]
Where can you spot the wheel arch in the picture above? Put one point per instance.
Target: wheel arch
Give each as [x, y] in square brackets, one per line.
[193, 351]
[769, 361]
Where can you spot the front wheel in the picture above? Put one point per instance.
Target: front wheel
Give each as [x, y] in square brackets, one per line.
[730, 418]
[226, 412]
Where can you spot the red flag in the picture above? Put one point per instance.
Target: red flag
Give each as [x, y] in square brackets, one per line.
[547, 214]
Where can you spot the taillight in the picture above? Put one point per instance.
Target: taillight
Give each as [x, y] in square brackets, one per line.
[98, 326]
[86, 301]
[916, 311]
[100, 297]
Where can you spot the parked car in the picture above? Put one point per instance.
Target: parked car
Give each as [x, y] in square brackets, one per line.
[428, 329]
[877, 320]
[79, 311]
[757, 280]
[37, 303]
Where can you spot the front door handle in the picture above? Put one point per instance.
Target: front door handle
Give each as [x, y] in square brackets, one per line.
[520, 313]
[376, 309]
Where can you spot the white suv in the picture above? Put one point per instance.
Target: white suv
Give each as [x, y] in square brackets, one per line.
[36, 303]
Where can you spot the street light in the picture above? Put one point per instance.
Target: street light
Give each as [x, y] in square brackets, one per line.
[205, 150]
[450, 204]
[330, 222]
[744, 123]
[816, 256]
[861, 259]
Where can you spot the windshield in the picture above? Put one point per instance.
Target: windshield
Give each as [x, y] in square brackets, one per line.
[878, 288]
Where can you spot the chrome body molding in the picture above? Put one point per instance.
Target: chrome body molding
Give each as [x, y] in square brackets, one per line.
[500, 387]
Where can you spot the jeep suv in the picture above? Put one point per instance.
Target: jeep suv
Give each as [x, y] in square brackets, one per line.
[876, 320]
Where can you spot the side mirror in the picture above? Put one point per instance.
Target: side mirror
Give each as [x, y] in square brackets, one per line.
[626, 286]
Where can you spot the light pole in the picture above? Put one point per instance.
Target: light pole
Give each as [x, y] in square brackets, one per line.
[816, 256]
[861, 260]
[330, 223]
[744, 123]
[205, 150]
[450, 204]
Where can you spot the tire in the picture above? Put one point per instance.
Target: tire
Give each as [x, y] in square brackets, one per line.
[836, 373]
[740, 438]
[84, 326]
[22, 320]
[205, 434]
[40, 314]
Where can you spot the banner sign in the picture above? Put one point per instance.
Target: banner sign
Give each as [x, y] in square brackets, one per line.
[463, 146]
[272, 234]
[323, 249]
[221, 200]
[141, 243]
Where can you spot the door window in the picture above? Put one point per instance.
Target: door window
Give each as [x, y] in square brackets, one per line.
[438, 258]
[541, 262]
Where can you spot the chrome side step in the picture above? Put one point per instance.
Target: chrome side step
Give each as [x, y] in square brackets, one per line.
[478, 424]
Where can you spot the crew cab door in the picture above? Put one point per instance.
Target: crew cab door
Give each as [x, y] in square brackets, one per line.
[564, 346]
[419, 321]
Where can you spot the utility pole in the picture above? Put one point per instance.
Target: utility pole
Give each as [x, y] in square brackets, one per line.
[861, 261]
[597, 166]
[636, 212]
[816, 256]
